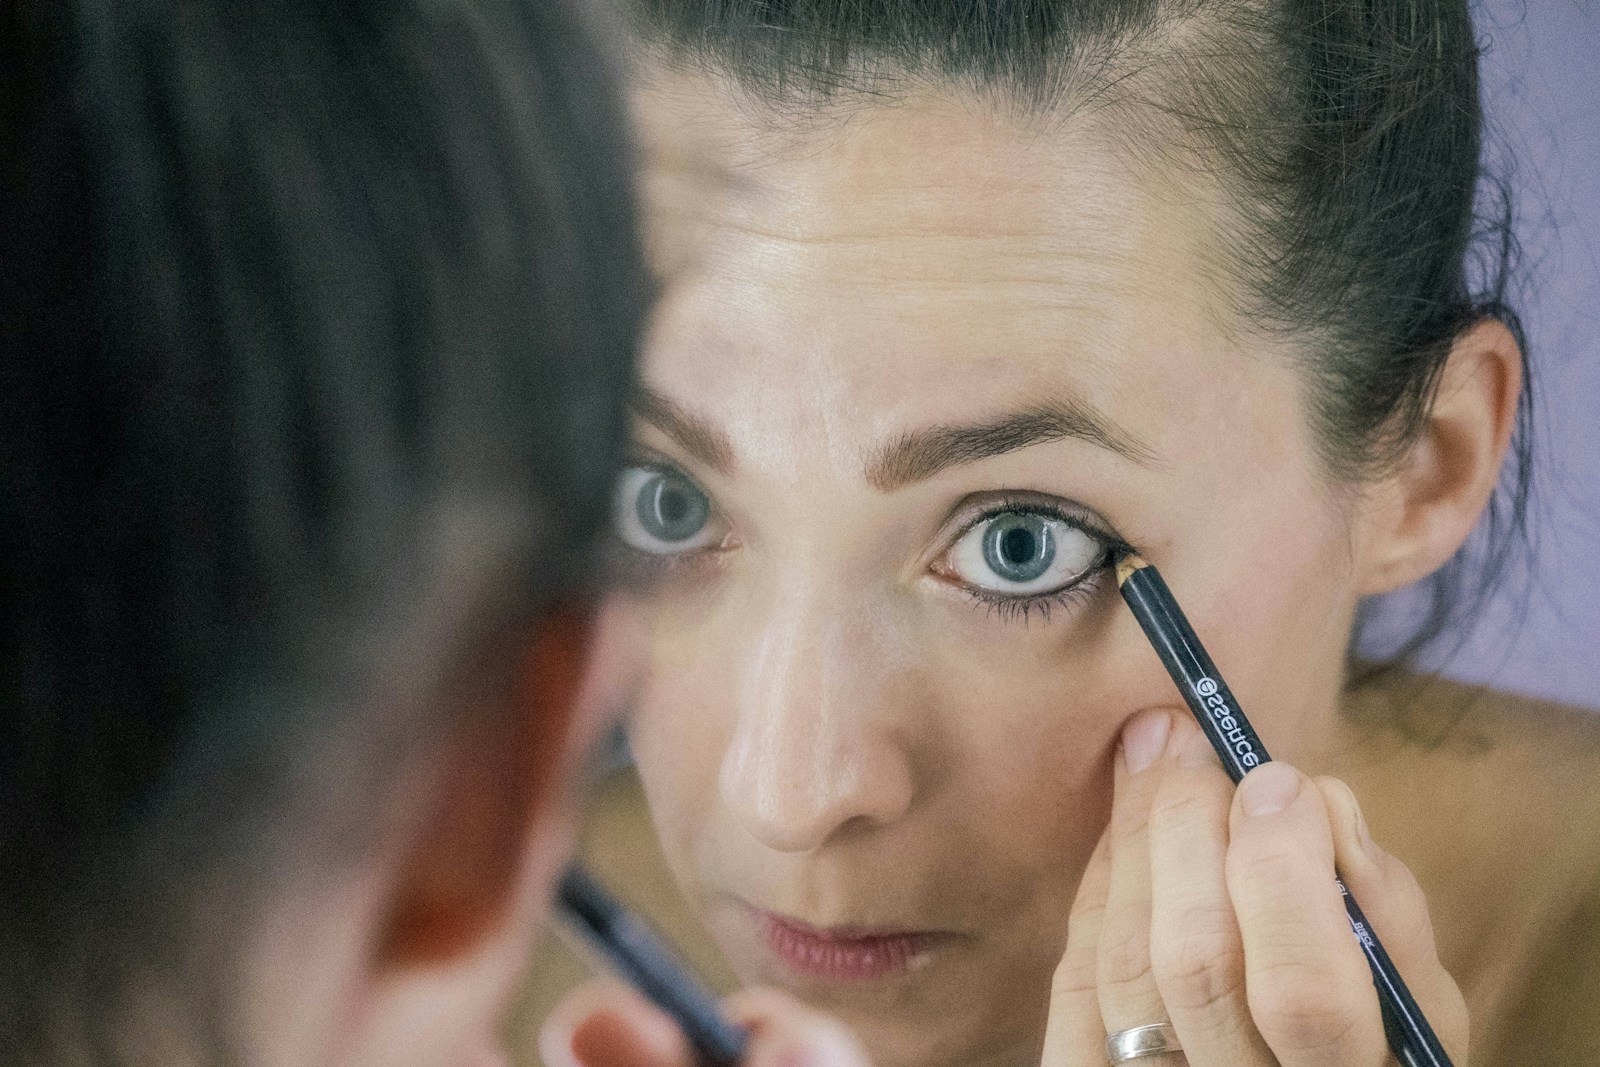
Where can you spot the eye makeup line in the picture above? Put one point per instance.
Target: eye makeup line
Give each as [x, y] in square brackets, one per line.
[1410, 1036]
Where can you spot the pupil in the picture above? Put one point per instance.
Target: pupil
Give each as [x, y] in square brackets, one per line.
[1017, 545]
[673, 506]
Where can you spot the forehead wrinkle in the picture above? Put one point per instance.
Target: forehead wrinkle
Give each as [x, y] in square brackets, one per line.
[927, 227]
[1097, 249]
[914, 268]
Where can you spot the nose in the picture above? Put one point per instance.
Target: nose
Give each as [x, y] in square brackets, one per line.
[815, 752]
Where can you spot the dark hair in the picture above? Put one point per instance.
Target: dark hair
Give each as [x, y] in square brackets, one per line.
[1347, 133]
[316, 314]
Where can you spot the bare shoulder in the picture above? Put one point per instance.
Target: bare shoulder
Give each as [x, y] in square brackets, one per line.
[1518, 764]
[1555, 1019]
[1494, 801]
[1545, 758]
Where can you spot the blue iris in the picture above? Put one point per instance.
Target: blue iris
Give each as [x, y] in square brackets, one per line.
[1018, 547]
[670, 508]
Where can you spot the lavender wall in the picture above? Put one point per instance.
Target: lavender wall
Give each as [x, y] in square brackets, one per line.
[1542, 81]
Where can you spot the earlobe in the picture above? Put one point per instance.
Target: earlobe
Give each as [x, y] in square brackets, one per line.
[497, 785]
[1433, 501]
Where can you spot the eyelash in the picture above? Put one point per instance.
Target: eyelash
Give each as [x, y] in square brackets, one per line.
[1011, 609]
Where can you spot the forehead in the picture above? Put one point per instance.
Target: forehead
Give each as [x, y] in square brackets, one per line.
[927, 261]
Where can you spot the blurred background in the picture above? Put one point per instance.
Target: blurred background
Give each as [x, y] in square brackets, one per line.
[1541, 633]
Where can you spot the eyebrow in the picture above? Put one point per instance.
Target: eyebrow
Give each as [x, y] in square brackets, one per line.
[921, 454]
[692, 433]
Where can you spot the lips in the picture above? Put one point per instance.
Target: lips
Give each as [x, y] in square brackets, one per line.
[845, 954]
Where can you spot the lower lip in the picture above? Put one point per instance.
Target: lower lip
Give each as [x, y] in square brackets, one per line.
[843, 957]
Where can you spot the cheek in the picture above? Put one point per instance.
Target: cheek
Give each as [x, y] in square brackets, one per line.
[678, 733]
[1269, 588]
[1033, 712]
[1291, 663]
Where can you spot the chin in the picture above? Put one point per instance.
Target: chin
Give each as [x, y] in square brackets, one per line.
[951, 1042]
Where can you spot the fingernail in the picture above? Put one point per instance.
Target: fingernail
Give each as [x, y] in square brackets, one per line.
[1144, 738]
[1269, 789]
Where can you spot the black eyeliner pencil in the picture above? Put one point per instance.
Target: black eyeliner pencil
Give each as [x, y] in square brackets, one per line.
[639, 954]
[1410, 1037]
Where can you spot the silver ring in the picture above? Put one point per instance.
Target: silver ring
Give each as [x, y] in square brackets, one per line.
[1141, 1041]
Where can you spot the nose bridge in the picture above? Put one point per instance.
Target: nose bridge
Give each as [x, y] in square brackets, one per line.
[812, 749]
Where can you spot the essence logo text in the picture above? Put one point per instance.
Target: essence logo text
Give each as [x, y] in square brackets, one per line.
[1207, 690]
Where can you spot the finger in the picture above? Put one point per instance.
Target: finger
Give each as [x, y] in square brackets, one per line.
[1195, 948]
[1128, 993]
[1307, 983]
[784, 1032]
[1075, 1035]
[1398, 913]
[607, 1024]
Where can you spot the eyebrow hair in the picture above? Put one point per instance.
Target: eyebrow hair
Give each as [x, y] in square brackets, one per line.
[693, 434]
[921, 454]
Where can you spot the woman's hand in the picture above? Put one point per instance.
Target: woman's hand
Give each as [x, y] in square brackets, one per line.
[1215, 910]
[607, 1024]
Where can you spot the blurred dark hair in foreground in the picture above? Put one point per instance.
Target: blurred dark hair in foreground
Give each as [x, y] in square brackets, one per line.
[317, 319]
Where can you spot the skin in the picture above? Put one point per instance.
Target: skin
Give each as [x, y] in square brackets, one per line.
[834, 730]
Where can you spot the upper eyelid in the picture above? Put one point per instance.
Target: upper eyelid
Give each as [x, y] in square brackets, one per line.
[642, 456]
[967, 519]
[637, 455]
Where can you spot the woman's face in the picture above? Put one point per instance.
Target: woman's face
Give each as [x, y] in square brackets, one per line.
[916, 369]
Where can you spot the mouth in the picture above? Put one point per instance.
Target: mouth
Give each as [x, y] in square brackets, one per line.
[846, 953]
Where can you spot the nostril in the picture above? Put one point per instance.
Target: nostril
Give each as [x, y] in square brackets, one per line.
[781, 814]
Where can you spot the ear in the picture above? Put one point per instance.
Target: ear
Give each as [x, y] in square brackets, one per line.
[496, 796]
[1426, 509]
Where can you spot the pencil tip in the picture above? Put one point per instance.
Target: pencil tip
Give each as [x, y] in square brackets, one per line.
[1128, 564]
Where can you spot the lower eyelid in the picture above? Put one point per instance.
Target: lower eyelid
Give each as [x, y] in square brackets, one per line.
[665, 566]
[1072, 595]
[1013, 609]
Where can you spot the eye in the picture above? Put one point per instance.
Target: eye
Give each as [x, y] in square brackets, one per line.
[1023, 554]
[661, 512]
